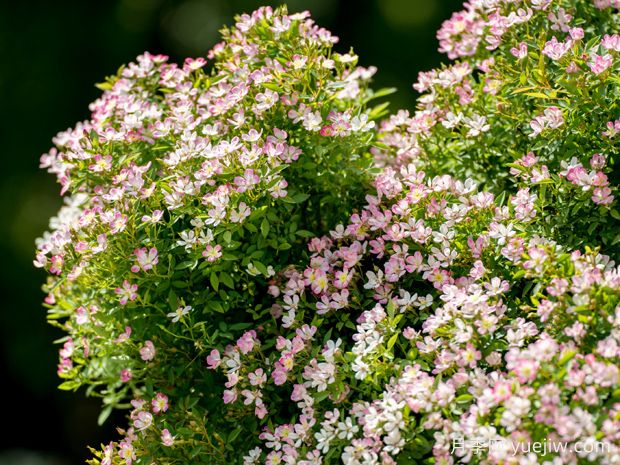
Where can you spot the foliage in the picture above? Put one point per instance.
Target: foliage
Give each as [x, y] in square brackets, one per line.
[190, 190]
[208, 278]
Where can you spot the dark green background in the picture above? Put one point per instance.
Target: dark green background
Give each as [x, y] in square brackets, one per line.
[51, 54]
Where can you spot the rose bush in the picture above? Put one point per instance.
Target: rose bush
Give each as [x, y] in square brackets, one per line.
[233, 266]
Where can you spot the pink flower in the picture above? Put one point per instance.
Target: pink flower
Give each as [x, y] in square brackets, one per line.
[327, 130]
[298, 61]
[520, 52]
[613, 128]
[213, 359]
[160, 403]
[127, 292]
[65, 365]
[279, 189]
[108, 453]
[257, 378]
[342, 278]
[56, 264]
[409, 333]
[249, 180]
[537, 257]
[556, 50]
[81, 315]
[146, 259]
[611, 42]
[155, 217]
[126, 452]
[147, 352]
[576, 33]
[597, 162]
[469, 356]
[212, 253]
[558, 287]
[180, 312]
[167, 439]
[125, 375]
[143, 421]
[560, 20]
[192, 64]
[229, 396]
[600, 63]
[101, 163]
[246, 342]
[502, 391]
[279, 375]
[124, 336]
[538, 125]
[260, 410]
[602, 196]
[526, 370]
[554, 117]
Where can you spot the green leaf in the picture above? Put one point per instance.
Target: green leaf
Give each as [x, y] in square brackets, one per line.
[227, 280]
[104, 85]
[538, 95]
[381, 93]
[234, 434]
[296, 198]
[186, 264]
[217, 306]
[260, 267]
[173, 302]
[104, 415]
[264, 227]
[215, 282]
[463, 399]
[70, 385]
[272, 86]
[378, 111]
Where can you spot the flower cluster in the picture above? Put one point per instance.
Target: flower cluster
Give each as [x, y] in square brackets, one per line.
[532, 76]
[231, 261]
[455, 323]
[190, 189]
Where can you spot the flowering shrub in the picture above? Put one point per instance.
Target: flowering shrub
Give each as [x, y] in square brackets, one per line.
[209, 280]
[190, 189]
[435, 318]
[530, 101]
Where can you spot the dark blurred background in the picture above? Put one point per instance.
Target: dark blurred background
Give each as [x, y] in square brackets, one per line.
[51, 55]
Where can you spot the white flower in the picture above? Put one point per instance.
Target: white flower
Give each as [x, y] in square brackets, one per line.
[323, 438]
[374, 280]
[360, 368]
[252, 270]
[452, 120]
[143, 421]
[424, 302]
[361, 123]
[179, 313]
[501, 232]
[346, 58]
[330, 349]
[312, 121]
[188, 239]
[347, 429]
[477, 124]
